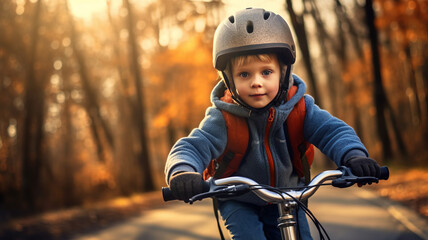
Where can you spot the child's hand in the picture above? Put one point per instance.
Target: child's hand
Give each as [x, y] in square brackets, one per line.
[185, 185]
[363, 166]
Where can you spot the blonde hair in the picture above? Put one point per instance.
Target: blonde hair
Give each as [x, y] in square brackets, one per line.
[242, 60]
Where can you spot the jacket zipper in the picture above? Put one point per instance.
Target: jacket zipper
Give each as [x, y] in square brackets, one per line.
[267, 146]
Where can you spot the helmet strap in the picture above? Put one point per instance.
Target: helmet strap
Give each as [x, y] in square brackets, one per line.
[283, 87]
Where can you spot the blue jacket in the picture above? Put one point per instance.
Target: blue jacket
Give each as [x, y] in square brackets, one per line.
[332, 136]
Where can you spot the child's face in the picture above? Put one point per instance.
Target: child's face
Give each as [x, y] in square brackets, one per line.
[257, 81]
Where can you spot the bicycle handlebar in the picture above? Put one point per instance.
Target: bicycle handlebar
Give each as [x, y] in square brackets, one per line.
[233, 186]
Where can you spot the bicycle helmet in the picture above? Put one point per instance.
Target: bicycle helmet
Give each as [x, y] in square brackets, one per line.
[254, 31]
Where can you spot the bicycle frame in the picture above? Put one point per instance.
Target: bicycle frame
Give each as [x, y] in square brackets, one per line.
[285, 201]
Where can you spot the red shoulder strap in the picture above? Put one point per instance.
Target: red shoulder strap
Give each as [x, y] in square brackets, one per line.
[236, 147]
[302, 151]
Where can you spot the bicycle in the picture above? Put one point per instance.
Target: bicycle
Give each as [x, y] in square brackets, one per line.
[287, 199]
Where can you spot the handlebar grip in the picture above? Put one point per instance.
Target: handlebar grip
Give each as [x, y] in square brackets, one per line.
[384, 173]
[167, 194]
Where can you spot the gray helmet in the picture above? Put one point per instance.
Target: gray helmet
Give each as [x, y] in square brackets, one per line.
[251, 31]
[254, 31]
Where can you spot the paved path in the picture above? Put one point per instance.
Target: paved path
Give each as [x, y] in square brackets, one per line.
[355, 214]
[178, 221]
[349, 214]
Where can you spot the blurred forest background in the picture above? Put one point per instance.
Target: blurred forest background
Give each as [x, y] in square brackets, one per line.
[90, 106]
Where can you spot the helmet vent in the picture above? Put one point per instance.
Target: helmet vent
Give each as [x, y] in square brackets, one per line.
[266, 15]
[250, 27]
[231, 19]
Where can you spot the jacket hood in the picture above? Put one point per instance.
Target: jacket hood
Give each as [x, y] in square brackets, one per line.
[242, 111]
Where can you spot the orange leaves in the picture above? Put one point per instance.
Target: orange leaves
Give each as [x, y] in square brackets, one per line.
[356, 77]
[161, 120]
[413, 182]
[406, 20]
[184, 79]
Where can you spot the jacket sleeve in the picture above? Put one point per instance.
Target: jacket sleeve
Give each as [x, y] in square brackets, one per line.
[203, 144]
[331, 135]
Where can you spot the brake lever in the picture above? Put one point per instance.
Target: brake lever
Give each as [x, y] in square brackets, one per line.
[348, 179]
[232, 190]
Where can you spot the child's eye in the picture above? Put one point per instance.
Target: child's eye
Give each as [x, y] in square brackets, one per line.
[266, 72]
[244, 74]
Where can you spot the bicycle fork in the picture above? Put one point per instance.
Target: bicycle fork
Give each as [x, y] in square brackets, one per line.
[286, 220]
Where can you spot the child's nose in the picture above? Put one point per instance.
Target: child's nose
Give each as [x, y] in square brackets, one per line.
[256, 82]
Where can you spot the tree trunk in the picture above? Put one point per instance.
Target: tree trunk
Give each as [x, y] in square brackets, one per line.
[33, 120]
[327, 49]
[379, 92]
[127, 174]
[351, 28]
[91, 103]
[299, 27]
[148, 184]
[402, 149]
[424, 101]
[350, 88]
[69, 166]
[414, 86]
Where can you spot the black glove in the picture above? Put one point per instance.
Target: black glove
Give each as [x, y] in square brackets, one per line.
[363, 166]
[185, 185]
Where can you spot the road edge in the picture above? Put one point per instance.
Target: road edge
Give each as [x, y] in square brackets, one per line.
[406, 216]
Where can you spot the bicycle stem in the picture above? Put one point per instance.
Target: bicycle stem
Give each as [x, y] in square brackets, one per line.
[286, 221]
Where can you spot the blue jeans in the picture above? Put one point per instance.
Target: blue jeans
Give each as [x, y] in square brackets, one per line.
[247, 221]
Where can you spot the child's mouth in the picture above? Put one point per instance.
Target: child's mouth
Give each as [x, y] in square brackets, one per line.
[257, 95]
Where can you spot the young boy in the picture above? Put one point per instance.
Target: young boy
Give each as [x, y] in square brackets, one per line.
[254, 52]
